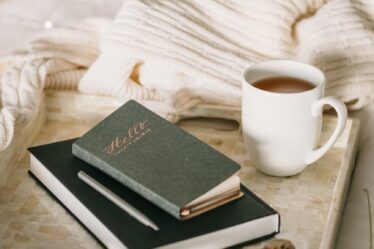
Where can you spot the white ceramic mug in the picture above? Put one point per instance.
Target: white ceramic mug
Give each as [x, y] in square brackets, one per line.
[281, 130]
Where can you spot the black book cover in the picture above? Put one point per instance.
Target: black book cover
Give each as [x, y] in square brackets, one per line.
[154, 157]
[59, 161]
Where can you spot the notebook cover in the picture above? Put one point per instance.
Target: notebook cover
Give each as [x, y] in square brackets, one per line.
[154, 157]
[57, 158]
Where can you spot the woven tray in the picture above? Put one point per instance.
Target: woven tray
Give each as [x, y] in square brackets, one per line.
[310, 204]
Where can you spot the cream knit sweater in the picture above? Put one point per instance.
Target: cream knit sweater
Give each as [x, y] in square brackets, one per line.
[196, 51]
[189, 52]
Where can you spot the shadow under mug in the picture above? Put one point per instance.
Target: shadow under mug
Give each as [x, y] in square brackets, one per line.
[281, 130]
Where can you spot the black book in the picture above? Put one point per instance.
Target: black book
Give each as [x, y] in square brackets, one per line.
[246, 219]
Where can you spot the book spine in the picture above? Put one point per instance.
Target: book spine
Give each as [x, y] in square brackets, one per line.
[125, 180]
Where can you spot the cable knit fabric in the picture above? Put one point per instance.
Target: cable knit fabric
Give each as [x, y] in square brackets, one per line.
[189, 52]
[195, 51]
[54, 59]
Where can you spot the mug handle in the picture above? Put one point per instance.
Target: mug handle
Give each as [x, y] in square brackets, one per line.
[317, 109]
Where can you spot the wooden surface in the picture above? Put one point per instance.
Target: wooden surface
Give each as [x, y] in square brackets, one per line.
[310, 204]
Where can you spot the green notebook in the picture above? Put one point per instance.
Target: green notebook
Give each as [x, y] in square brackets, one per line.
[160, 161]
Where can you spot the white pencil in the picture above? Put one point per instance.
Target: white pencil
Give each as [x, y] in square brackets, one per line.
[117, 200]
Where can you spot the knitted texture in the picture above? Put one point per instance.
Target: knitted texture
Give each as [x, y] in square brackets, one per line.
[189, 52]
[196, 51]
[54, 59]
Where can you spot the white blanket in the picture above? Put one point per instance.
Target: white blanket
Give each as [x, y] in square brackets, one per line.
[196, 51]
[54, 59]
[188, 52]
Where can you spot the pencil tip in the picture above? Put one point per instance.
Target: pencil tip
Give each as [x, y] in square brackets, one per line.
[154, 227]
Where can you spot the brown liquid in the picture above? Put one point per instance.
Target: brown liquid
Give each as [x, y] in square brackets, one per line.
[283, 84]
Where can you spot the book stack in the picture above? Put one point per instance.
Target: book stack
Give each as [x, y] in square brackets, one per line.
[137, 181]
